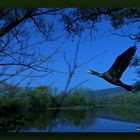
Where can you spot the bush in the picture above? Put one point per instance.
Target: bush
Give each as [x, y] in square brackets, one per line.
[42, 88]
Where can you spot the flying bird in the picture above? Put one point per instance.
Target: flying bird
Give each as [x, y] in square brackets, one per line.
[114, 74]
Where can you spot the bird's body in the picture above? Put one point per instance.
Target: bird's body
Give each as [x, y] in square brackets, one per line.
[114, 74]
[110, 79]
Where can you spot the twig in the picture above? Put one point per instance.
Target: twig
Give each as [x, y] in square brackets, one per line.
[79, 84]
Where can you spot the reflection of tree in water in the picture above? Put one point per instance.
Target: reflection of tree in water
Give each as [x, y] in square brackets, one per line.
[14, 122]
[74, 117]
[82, 118]
[128, 114]
[24, 121]
[44, 120]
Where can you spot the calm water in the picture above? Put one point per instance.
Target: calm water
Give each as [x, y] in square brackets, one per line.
[101, 125]
[109, 119]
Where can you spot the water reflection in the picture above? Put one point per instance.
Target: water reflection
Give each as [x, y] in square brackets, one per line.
[72, 120]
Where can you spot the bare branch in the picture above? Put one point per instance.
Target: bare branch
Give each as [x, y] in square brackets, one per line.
[66, 61]
[90, 59]
[21, 64]
[76, 54]
[36, 24]
[79, 84]
[47, 12]
[10, 56]
[137, 20]
[24, 78]
[11, 25]
[30, 13]
[98, 12]
[73, 66]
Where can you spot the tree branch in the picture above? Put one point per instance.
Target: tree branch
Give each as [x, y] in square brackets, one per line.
[28, 14]
[10, 26]
[20, 64]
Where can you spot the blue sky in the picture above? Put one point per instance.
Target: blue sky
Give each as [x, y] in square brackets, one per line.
[104, 43]
[111, 48]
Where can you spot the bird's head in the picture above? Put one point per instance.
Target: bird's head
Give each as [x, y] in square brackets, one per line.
[89, 71]
[93, 72]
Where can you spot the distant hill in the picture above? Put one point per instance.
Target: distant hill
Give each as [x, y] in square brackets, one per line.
[109, 91]
[85, 92]
[90, 94]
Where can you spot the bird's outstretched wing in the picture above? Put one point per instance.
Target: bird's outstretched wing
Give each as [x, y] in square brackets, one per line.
[122, 62]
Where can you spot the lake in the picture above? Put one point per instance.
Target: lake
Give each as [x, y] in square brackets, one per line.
[99, 119]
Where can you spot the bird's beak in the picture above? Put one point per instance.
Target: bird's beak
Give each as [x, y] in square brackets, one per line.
[88, 71]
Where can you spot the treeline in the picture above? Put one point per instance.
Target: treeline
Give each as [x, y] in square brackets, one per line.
[43, 97]
[120, 99]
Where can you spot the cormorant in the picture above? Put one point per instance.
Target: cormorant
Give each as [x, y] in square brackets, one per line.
[114, 74]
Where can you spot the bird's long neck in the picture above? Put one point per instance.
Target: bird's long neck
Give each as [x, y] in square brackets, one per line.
[94, 73]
